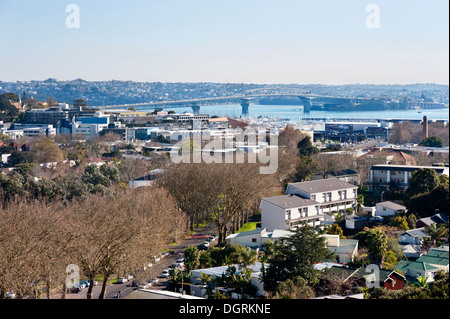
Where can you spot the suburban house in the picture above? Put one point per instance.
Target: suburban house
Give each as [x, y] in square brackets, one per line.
[412, 236]
[389, 209]
[257, 238]
[356, 222]
[389, 279]
[386, 176]
[344, 249]
[198, 288]
[146, 180]
[435, 219]
[392, 157]
[426, 265]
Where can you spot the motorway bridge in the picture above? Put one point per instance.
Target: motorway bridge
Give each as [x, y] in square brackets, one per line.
[244, 100]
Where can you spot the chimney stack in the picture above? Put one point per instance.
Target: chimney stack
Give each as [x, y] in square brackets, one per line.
[425, 127]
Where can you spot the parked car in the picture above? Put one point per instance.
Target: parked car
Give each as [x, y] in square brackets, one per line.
[165, 273]
[206, 243]
[122, 280]
[130, 277]
[202, 247]
[75, 289]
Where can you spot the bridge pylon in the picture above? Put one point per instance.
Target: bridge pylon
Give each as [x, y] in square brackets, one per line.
[196, 108]
[245, 103]
[306, 103]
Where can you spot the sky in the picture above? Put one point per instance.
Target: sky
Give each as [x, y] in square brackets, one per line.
[237, 41]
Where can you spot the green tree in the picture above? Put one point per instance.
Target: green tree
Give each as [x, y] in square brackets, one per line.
[296, 288]
[191, 258]
[436, 231]
[296, 256]
[335, 229]
[377, 245]
[400, 222]
[306, 147]
[422, 181]
[432, 141]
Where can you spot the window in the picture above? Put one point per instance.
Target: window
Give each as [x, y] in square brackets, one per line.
[313, 197]
[305, 211]
[324, 197]
[345, 194]
[317, 210]
[329, 197]
[253, 240]
[288, 214]
[340, 195]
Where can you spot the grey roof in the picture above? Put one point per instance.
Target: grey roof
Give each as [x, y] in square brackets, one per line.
[322, 185]
[392, 205]
[289, 201]
[417, 232]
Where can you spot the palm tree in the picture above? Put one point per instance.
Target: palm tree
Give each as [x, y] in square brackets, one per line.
[377, 245]
[247, 257]
[421, 281]
[436, 231]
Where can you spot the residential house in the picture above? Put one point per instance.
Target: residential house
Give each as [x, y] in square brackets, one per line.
[356, 222]
[435, 219]
[344, 249]
[146, 180]
[426, 265]
[412, 236]
[389, 279]
[199, 289]
[388, 209]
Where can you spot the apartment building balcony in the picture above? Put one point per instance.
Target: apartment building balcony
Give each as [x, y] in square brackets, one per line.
[313, 220]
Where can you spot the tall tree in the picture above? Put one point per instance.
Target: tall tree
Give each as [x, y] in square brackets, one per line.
[296, 256]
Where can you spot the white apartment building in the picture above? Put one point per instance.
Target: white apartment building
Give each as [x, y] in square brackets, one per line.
[332, 194]
[385, 175]
[307, 202]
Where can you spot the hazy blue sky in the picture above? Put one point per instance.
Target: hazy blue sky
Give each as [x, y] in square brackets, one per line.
[258, 41]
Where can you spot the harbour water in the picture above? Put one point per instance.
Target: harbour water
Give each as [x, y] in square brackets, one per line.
[295, 113]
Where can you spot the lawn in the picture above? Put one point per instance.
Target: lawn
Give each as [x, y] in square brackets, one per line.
[247, 227]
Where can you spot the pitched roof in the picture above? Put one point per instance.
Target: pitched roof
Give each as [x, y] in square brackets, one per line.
[322, 185]
[289, 201]
[392, 205]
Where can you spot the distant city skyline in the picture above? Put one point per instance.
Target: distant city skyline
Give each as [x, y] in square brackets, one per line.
[246, 41]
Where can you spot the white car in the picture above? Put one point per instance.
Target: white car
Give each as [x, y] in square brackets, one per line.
[165, 273]
[122, 280]
[206, 243]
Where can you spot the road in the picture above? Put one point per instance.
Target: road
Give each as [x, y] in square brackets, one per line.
[151, 273]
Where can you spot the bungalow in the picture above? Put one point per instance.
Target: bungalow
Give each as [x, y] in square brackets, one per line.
[435, 219]
[388, 209]
[426, 265]
[413, 236]
[344, 249]
[389, 279]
